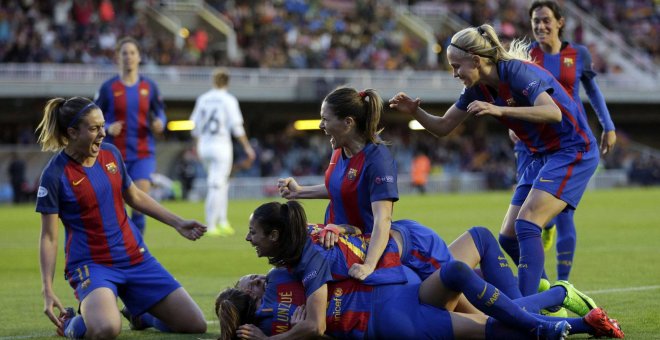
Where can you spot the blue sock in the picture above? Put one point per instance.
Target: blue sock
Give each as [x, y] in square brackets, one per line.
[535, 302]
[496, 330]
[532, 257]
[151, 321]
[566, 241]
[510, 246]
[140, 221]
[578, 325]
[459, 277]
[75, 328]
[493, 264]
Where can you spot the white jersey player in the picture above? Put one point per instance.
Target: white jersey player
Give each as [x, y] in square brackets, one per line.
[217, 117]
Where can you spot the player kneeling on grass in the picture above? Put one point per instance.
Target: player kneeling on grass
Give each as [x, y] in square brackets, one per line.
[86, 185]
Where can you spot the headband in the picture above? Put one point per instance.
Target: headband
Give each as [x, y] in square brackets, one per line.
[77, 116]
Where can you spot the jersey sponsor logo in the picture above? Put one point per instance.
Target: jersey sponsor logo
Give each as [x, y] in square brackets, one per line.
[545, 180]
[336, 300]
[76, 183]
[111, 167]
[144, 92]
[352, 174]
[568, 62]
[384, 179]
[42, 192]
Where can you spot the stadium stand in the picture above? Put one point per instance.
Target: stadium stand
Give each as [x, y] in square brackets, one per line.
[280, 53]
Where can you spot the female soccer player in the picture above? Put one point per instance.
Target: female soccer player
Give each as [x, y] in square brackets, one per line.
[273, 306]
[134, 112]
[361, 179]
[278, 231]
[86, 185]
[570, 64]
[532, 103]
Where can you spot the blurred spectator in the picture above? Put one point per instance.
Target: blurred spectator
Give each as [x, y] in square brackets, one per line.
[16, 171]
[419, 170]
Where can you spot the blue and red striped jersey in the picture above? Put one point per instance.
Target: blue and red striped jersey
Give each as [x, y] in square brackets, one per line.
[318, 265]
[520, 84]
[137, 106]
[354, 183]
[347, 314]
[571, 66]
[90, 205]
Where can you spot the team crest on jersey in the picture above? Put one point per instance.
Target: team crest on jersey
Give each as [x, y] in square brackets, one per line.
[568, 62]
[352, 174]
[144, 92]
[118, 93]
[111, 167]
[510, 102]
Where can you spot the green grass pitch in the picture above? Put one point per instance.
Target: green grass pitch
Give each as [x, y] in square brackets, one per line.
[615, 262]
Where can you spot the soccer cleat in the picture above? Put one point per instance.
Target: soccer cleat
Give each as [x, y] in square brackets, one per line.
[576, 301]
[65, 318]
[603, 325]
[544, 285]
[134, 322]
[214, 232]
[559, 313]
[553, 331]
[548, 236]
[226, 230]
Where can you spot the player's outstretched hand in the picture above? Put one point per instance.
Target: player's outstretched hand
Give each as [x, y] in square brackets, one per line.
[191, 229]
[249, 331]
[288, 188]
[405, 104]
[360, 271]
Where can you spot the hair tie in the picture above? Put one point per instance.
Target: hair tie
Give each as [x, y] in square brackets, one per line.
[480, 30]
[362, 94]
[77, 116]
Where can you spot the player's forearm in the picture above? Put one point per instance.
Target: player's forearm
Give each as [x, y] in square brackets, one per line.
[142, 202]
[377, 244]
[47, 262]
[312, 191]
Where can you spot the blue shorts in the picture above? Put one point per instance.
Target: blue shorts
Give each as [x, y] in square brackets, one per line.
[423, 250]
[396, 313]
[141, 168]
[523, 158]
[140, 286]
[564, 174]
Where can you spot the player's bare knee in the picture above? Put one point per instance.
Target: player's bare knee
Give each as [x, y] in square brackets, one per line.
[104, 330]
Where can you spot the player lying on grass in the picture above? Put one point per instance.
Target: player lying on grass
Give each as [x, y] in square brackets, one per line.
[279, 232]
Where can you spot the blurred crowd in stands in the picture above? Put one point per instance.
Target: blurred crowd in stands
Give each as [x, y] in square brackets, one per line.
[308, 153]
[328, 34]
